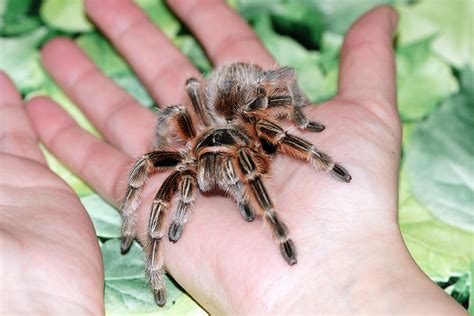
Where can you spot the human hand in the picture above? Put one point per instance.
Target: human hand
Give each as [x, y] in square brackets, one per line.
[349, 245]
[51, 262]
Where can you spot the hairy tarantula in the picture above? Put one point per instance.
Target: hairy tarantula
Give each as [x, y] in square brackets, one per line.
[237, 108]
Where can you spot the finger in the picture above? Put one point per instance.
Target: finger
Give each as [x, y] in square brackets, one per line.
[159, 64]
[367, 66]
[120, 119]
[101, 165]
[17, 136]
[225, 36]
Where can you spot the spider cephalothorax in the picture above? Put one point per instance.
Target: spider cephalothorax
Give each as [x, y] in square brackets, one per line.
[235, 111]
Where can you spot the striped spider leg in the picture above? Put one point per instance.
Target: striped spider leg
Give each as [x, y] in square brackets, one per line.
[300, 148]
[175, 118]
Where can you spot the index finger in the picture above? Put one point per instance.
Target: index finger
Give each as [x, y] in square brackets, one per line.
[17, 136]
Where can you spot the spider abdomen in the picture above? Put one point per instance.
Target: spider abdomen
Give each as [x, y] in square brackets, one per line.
[231, 87]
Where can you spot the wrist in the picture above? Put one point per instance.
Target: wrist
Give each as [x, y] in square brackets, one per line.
[374, 276]
[389, 281]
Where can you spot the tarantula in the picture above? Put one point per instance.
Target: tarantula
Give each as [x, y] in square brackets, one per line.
[237, 108]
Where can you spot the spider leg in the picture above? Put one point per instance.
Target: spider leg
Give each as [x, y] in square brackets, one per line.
[173, 118]
[186, 189]
[236, 188]
[246, 164]
[299, 148]
[304, 123]
[209, 170]
[283, 105]
[154, 263]
[289, 100]
[194, 91]
[148, 164]
[215, 170]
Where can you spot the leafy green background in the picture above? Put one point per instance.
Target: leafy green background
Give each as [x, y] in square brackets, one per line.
[435, 60]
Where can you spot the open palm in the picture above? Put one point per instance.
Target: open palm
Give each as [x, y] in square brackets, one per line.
[344, 233]
[37, 209]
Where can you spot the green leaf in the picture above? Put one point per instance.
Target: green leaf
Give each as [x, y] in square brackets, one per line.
[159, 14]
[103, 54]
[449, 21]
[460, 290]
[467, 83]
[306, 20]
[15, 18]
[106, 219]
[440, 250]
[301, 20]
[68, 16]
[339, 15]
[458, 285]
[440, 165]
[14, 7]
[407, 133]
[127, 292]
[423, 80]
[329, 86]
[20, 59]
[288, 52]
[330, 46]
[19, 25]
[253, 10]
[471, 294]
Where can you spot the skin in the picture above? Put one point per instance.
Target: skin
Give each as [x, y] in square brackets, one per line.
[351, 256]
